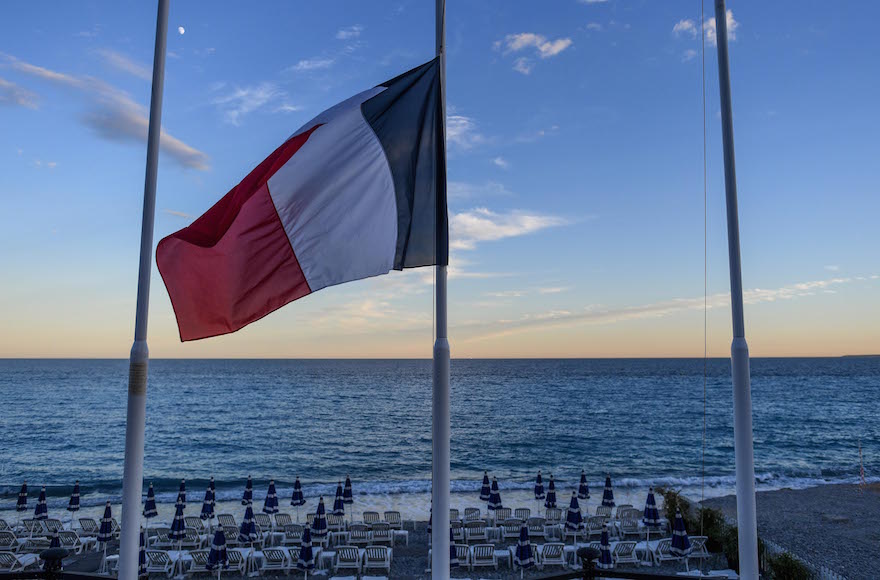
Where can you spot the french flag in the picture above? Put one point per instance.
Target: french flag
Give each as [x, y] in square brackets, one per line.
[356, 192]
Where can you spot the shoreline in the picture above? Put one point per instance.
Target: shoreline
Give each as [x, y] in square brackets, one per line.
[833, 525]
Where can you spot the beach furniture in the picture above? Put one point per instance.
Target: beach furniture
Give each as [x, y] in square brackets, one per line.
[553, 516]
[604, 511]
[618, 514]
[71, 541]
[32, 527]
[628, 527]
[335, 522]
[191, 540]
[274, 559]
[8, 541]
[593, 526]
[195, 523]
[381, 533]
[159, 562]
[476, 532]
[282, 520]
[522, 514]
[483, 555]
[237, 561]
[501, 514]
[536, 527]
[463, 555]
[457, 529]
[510, 530]
[393, 519]
[454, 516]
[227, 521]
[472, 514]
[552, 554]
[377, 557]
[230, 534]
[161, 541]
[292, 535]
[11, 562]
[698, 547]
[359, 535]
[199, 564]
[347, 558]
[4, 527]
[625, 553]
[371, 518]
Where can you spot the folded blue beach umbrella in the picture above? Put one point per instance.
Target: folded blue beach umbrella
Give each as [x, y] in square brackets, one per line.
[178, 525]
[270, 505]
[495, 496]
[319, 524]
[21, 504]
[338, 503]
[605, 562]
[306, 560]
[105, 531]
[523, 556]
[73, 504]
[574, 518]
[485, 490]
[248, 531]
[651, 517]
[430, 520]
[41, 512]
[550, 502]
[583, 488]
[208, 505]
[608, 493]
[681, 544]
[54, 540]
[213, 489]
[248, 497]
[181, 495]
[150, 510]
[347, 495]
[539, 487]
[142, 555]
[217, 556]
[453, 555]
[297, 498]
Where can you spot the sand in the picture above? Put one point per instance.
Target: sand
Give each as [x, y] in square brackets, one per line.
[836, 526]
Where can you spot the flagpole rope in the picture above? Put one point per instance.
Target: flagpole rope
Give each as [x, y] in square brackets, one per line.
[705, 265]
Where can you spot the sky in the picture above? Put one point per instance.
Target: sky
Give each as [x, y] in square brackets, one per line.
[576, 198]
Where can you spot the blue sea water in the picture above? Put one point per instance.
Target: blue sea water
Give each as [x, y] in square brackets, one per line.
[639, 420]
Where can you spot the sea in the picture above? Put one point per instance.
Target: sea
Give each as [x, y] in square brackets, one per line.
[644, 422]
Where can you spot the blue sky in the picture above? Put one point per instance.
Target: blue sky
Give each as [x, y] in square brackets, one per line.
[575, 168]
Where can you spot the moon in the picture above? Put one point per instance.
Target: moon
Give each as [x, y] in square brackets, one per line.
[181, 29]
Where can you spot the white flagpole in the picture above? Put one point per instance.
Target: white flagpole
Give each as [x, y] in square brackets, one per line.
[440, 422]
[742, 396]
[135, 423]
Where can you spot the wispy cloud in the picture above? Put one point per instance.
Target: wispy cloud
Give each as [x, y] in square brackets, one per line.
[709, 28]
[592, 1]
[125, 64]
[462, 190]
[468, 228]
[500, 162]
[244, 100]
[349, 32]
[40, 164]
[310, 64]
[554, 290]
[536, 44]
[597, 314]
[12, 94]
[688, 55]
[689, 27]
[832, 267]
[113, 114]
[594, 26]
[177, 213]
[461, 131]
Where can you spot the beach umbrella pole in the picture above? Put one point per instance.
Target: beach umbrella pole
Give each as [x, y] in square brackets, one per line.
[739, 350]
[132, 481]
[440, 395]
